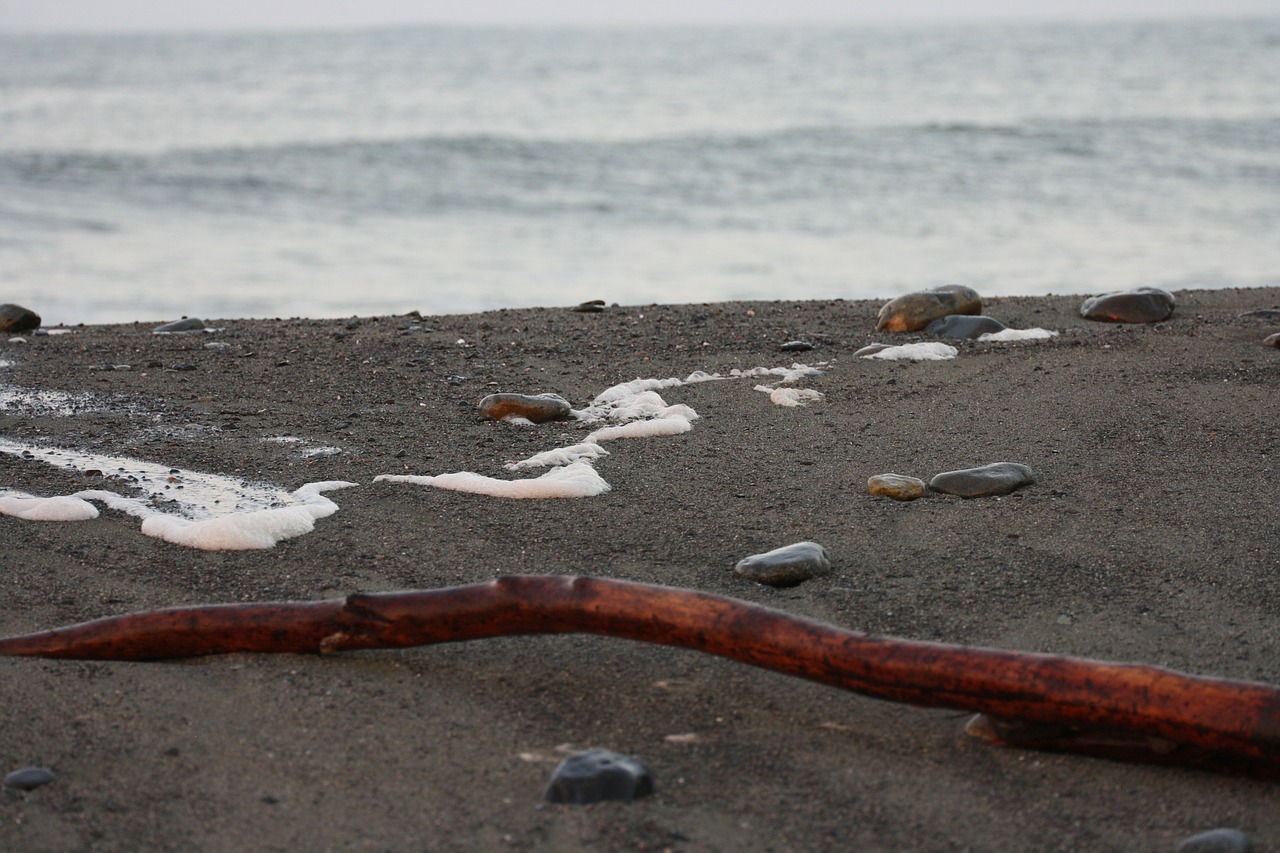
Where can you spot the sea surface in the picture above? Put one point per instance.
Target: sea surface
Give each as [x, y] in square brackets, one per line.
[327, 174]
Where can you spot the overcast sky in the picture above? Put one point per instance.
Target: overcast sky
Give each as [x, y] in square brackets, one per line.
[250, 14]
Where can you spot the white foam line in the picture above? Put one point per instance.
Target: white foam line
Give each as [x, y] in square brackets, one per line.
[575, 480]
[928, 351]
[32, 508]
[1007, 335]
[790, 397]
[588, 451]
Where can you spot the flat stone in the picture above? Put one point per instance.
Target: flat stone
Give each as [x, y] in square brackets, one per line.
[15, 318]
[28, 778]
[1221, 840]
[897, 486]
[1140, 305]
[912, 312]
[795, 346]
[1261, 314]
[597, 775]
[1272, 340]
[186, 324]
[968, 326]
[785, 566]
[532, 407]
[595, 306]
[871, 349]
[998, 478]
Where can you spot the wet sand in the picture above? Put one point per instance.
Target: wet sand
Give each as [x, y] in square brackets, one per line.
[1150, 536]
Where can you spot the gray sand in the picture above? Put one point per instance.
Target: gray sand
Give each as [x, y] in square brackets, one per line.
[1150, 536]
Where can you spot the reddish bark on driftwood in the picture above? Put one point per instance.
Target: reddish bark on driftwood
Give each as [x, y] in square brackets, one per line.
[1127, 711]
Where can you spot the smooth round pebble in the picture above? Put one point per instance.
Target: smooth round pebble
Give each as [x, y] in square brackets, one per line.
[597, 775]
[1272, 341]
[911, 312]
[186, 324]
[968, 326]
[785, 566]
[1140, 305]
[795, 346]
[897, 486]
[15, 318]
[1221, 840]
[28, 778]
[533, 407]
[998, 478]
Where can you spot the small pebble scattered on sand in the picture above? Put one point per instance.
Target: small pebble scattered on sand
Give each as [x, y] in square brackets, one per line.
[998, 478]
[597, 775]
[897, 486]
[785, 566]
[1140, 305]
[912, 312]
[28, 778]
[537, 408]
[1221, 840]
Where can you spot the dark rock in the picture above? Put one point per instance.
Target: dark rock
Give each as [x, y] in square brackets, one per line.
[785, 566]
[1261, 314]
[595, 306]
[911, 312]
[15, 318]
[998, 478]
[533, 407]
[963, 326]
[597, 775]
[186, 324]
[1222, 840]
[28, 778]
[1141, 305]
[1272, 340]
[896, 486]
[795, 346]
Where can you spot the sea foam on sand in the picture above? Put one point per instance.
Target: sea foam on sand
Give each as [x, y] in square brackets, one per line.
[1008, 335]
[927, 351]
[631, 409]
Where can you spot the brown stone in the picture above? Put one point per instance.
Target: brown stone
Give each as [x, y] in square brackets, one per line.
[912, 312]
[15, 319]
[1140, 305]
[897, 486]
[532, 407]
[1272, 341]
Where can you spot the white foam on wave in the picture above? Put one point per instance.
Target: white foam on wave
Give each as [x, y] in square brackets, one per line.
[927, 351]
[575, 480]
[191, 508]
[1008, 335]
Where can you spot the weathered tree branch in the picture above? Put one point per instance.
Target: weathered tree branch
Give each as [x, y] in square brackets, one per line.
[1127, 711]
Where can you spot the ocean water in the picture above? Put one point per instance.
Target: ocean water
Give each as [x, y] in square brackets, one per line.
[324, 174]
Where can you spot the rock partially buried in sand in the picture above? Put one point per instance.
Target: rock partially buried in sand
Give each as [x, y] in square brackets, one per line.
[897, 486]
[15, 318]
[1272, 341]
[1141, 305]
[1222, 840]
[595, 306]
[912, 312]
[28, 778]
[597, 775]
[537, 408]
[785, 566]
[969, 326]
[998, 478]
[186, 324]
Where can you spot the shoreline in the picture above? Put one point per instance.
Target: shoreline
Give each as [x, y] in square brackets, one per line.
[1148, 537]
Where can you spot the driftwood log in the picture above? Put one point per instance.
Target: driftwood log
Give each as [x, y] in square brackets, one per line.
[1116, 710]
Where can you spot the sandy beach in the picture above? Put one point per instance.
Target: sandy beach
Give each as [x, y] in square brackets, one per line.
[1151, 535]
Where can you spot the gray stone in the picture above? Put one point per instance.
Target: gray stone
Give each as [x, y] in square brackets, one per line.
[1221, 840]
[998, 478]
[911, 312]
[897, 486]
[15, 318]
[186, 324]
[1272, 341]
[1140, 305]
[871, 349]
[965, 326]
[28, 778]
[596, 775]
[785, 566]
[795, 346]
[533, 407]
[595, 306]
